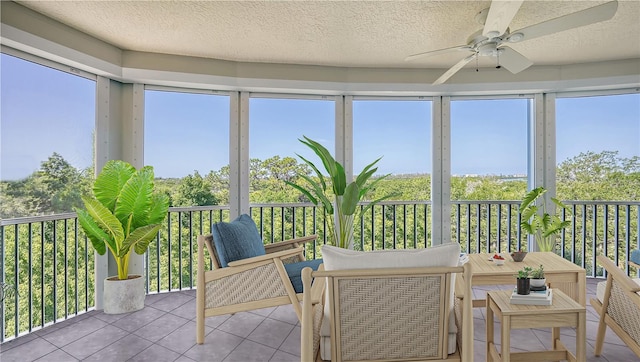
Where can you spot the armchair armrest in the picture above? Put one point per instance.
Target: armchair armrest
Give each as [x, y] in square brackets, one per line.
[270, 248]
[317, 288]
[257, 259]
[619, 275]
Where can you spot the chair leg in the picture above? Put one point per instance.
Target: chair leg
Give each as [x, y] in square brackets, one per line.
[199, 330]
[602, 328]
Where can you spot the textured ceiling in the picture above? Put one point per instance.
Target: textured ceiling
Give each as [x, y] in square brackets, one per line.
[339, 33]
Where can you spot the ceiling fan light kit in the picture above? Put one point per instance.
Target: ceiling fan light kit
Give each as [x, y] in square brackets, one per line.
[492, 40]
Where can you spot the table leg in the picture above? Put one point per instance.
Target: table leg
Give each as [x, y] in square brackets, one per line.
[506, 338]
[581, 338]
[489, 330]
[555, 335]
[582, 289]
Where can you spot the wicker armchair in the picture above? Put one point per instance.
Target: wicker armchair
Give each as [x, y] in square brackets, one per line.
[268, 280]
[618, 306]
[388, 314]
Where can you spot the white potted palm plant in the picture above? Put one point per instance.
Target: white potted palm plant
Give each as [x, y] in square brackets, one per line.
[335, 195]
[540, 222]
[123, 214]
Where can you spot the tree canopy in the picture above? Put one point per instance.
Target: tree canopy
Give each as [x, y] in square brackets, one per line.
[56, 186]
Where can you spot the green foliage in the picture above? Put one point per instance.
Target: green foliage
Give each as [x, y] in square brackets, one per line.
[123, 214]
[599, 176]
[194, 190]
[54, 188]
[537, 221]
[538, 273]
[345, 195]
[524, 273]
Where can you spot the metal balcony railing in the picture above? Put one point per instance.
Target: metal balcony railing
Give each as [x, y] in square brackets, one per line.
[51, 263]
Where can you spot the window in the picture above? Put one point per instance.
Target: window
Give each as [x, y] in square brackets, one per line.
[489, 149]
[186, 140]
[598, 158]
[399, 131]
[488, 165]
[48, 120]
[598, 147]
[275, 125]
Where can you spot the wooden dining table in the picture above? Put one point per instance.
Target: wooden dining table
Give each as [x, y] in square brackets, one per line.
[559, 272]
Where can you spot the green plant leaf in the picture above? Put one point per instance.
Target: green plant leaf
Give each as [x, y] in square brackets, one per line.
[110, 181]
[139, 239]
[556, 227]
[545, 221]
[531, 197]
[317, 190]
[328, 160]
[106, 221]
[372, 185]
[304, 191]
[366, 172]
[98, 237]
[561, 205]
[134, 202]
[528, 212]
[318, 173]
[339, 180]
[159, 208]
[350, 199]
[526, 226]
[363, 177]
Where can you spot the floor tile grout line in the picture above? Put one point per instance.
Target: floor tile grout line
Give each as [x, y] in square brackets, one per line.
[244, 339]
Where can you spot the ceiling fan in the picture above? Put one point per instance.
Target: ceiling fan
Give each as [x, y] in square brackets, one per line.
[493, 39]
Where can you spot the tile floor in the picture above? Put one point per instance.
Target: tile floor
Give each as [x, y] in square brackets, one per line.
[165, 331]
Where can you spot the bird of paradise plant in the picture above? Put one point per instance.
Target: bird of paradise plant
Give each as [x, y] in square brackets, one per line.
[335, 195]
[124, 213]
[538, 222]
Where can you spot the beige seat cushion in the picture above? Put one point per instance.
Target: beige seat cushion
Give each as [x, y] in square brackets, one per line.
[445, 255]
[600, 287]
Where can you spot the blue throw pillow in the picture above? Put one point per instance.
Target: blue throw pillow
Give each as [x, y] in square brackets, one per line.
[236, 240]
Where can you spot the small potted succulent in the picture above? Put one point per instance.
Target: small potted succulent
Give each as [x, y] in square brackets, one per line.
[537, 277]
[523, 281]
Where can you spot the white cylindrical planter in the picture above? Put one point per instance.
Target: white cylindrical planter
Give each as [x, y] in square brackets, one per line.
[123, 296]
[537, 283]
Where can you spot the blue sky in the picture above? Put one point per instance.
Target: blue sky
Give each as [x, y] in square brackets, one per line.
[45, 111]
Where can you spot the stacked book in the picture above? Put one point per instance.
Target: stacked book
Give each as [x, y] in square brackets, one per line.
[542, 297]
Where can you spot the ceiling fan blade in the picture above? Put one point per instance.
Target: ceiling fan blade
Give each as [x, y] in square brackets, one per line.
[513, 61]
[500, 15]
[436, 52]
[453, 70]
[574, 20]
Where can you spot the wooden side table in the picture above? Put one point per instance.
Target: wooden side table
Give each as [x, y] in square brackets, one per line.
[565, 312]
